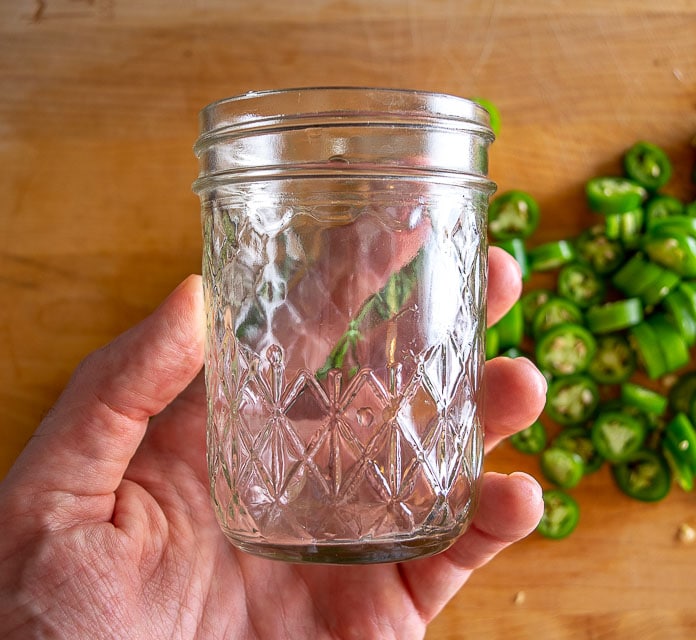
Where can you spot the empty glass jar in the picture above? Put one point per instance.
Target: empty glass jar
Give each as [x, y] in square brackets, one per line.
[344, 269]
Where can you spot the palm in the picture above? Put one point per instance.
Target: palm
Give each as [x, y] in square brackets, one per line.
[108, 529]
[225, 588]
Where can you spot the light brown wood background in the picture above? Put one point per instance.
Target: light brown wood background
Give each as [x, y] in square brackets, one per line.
[98, 104]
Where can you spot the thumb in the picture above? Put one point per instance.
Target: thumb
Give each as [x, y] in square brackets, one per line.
[87, 440]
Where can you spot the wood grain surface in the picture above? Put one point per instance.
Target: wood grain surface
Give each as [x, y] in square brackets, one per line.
[98, 108]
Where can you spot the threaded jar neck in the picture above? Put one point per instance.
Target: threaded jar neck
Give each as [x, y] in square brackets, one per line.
[343, 131]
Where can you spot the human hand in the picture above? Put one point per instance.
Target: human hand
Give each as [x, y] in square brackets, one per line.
[108, 531]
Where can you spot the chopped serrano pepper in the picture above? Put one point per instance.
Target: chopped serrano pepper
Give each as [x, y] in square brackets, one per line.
[648, 165]
[561, 514]
[513, 214]
[643, 476]
[565, 349]
[623, 308]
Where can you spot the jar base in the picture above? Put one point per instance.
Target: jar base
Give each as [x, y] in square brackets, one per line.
[363, 552]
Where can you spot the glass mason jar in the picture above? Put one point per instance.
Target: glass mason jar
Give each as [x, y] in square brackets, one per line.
[344, 268]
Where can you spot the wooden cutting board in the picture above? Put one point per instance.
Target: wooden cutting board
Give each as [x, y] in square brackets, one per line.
[98, 107]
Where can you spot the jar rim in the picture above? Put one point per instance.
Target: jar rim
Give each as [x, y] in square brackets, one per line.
[257, 110]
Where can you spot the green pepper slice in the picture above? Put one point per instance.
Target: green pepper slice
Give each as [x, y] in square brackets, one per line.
[532, 301]
[531, 440]
[646, 280]
[680, 432]
[679, 310]
[617, 435]
[632, 277]
[554, 312]
[603, 254]
[659, 287]
[572, 400]
[682, 393]
[614, 361]
[648, 165]
[644, 476]
[644, 399]
[561, 514]
[551, 255]
[661, 208]
[580, 284]
[681, 471]
[672, 250]
[609, 195]
[676, 223]
[562, 467]
[675, 351]
[513, 214]
[510, 328]
[614, 316]
[565, 349]
[626, 226]
[579, 440]
[646, 345]
[492, 342]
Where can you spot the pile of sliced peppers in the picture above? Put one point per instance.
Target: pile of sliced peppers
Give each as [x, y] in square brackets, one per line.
[613, 337]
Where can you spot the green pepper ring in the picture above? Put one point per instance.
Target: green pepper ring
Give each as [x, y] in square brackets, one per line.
[645, 476]
[513, 214]
[561, 514]
[647, 164]
[565, 349]
[617, 435]
[570, 390]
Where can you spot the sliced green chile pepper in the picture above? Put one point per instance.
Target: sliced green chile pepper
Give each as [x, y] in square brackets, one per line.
[644, 399]
[614, 361]
[614, 316]
[672, 250]
[572, 400]
[661, 208]
[644, 476]
[580, 284]
[531, 440]
[617, 436]
[551, 255]
[513, 214]
[531, 301]
[681, 471]
[554, 312]
[565, 349]
[561, 514]
[675, 351]
[680, 432]
[626, 226]
[510, 328]
[678, 309]
[648, 165]
[609, 195]
[682, 393]
[579, 440]
[492, 342]
[647, 347]
[562, 467]
[603, 254]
